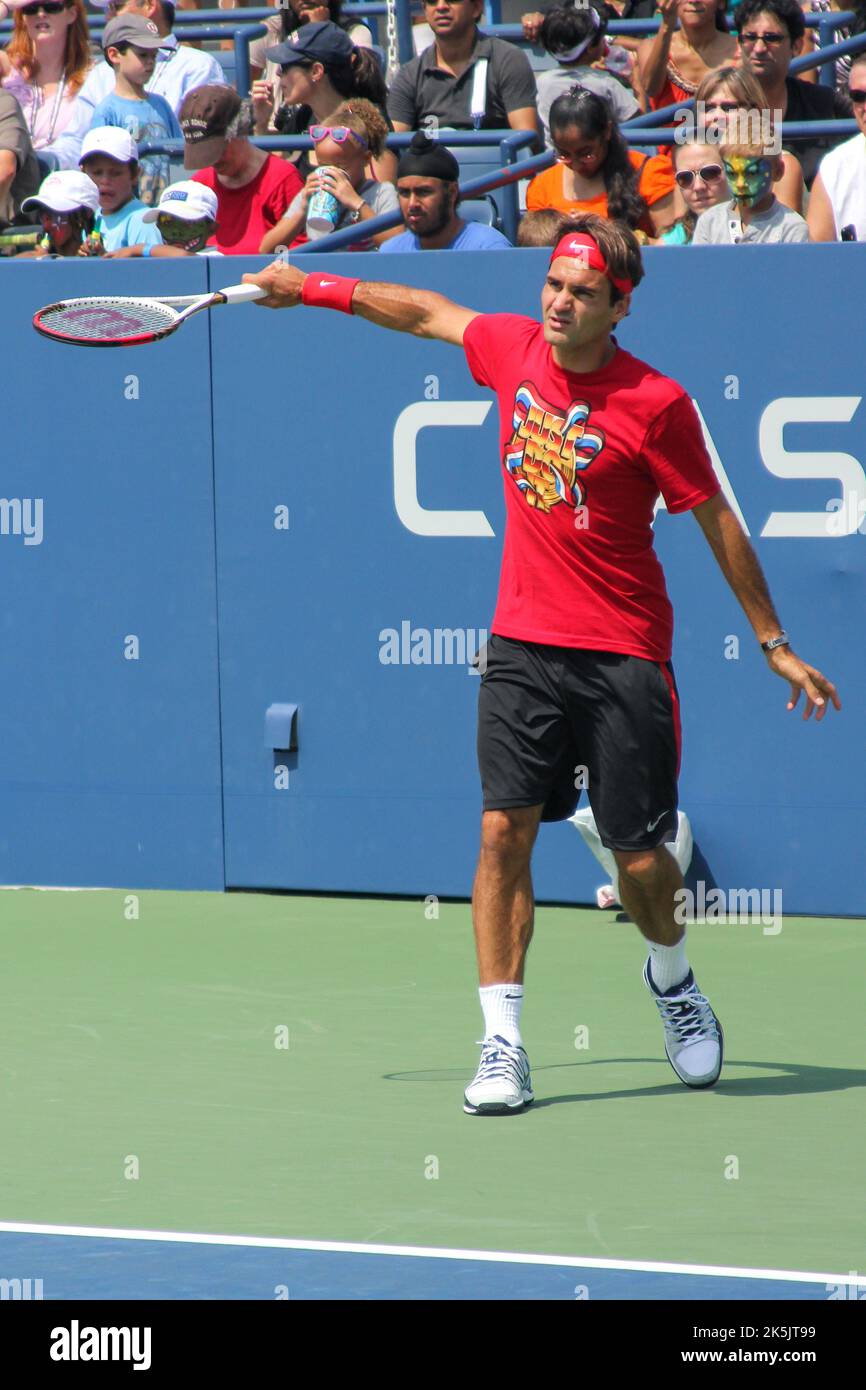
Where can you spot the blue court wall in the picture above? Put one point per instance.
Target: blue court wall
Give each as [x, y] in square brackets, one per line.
[262, 499]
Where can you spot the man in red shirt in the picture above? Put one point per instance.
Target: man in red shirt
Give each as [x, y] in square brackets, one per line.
[577, 677]
[253, 188]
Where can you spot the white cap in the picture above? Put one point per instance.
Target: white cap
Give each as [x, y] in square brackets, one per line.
[111, 140]
[187, 199]
[64, 191]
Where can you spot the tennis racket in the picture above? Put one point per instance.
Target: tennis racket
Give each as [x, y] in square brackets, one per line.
[117, 321]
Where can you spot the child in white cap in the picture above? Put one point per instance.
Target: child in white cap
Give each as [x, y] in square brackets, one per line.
[109, 156]
[186, 218]
[68, 205]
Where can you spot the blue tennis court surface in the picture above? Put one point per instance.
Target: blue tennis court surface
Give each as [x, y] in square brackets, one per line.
[144, 1265]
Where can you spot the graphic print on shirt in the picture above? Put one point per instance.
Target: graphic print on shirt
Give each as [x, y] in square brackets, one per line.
[547, 450]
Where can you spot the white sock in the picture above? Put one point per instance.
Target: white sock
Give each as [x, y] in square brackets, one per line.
[501, 1005]
[668, 965]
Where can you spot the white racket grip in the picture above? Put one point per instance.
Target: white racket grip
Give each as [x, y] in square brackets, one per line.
[243, 294]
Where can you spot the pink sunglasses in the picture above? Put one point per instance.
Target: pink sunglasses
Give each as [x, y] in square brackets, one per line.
[338, 133]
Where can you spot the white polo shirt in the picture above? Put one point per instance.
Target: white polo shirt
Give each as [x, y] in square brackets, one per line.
[843, 174]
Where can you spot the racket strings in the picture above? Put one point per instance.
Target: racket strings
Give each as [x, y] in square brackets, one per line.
[107, 320]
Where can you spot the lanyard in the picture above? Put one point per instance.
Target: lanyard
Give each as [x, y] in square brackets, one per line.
[36, 102]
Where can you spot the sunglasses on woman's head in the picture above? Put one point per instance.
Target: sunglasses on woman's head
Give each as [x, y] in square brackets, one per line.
[45, 7]
[709, 173]
[338, 133]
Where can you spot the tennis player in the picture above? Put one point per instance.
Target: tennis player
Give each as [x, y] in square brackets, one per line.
[577, 673]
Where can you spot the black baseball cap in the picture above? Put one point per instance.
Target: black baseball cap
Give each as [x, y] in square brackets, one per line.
[314, 43]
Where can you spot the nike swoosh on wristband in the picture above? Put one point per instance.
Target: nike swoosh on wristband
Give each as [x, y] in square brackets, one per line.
[322, 283]
[653, 823]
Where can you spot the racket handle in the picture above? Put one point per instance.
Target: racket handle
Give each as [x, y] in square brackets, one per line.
[242, 294]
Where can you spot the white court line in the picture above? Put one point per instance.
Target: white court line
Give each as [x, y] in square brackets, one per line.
[431, 1253]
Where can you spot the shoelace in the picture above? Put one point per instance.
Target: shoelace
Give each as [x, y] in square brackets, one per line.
[689, 1017]
[497, 1059]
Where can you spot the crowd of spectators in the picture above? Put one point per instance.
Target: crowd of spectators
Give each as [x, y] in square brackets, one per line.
[78, 117]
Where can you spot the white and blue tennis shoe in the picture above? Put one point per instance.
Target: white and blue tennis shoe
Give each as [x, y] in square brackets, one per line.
[502, 1084]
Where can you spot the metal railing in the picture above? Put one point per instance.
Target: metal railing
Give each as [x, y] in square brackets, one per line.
[508, 141]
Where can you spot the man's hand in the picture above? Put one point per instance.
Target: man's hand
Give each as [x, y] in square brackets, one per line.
[532, 23]
[283, 283]
[816, 687]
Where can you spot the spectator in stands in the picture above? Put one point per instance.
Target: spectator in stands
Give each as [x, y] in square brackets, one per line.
[576, 39]
[319, 67]
[352, 136]
[673, 61]
[186, 219]
[428, 188]
[539, 228]
[109, 156]
[732, 97]
[44, 68]
[771, 35]
[178, 69]
[130, 45]
[754, 213]
[67, 204]
[839, 192]
[618, 59]
[19, 170]
[845, 31]
[597, 172]
[253, 188]
[465, 80]
[291, 15]
[700, 178]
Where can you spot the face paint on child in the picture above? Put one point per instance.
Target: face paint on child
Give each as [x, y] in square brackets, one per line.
[187, 235]
[749, 180]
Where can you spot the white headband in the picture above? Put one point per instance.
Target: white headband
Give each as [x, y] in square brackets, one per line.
[568, 55]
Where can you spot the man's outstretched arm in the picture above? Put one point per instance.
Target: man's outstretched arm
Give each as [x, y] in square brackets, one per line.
[400, 307]
[741, 567]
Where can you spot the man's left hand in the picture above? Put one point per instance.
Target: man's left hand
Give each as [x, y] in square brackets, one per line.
[817, 689]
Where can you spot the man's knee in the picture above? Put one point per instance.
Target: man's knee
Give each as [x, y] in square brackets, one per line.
[645, 868]
[510, 834]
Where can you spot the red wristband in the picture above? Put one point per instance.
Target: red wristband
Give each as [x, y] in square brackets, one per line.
[328, 292]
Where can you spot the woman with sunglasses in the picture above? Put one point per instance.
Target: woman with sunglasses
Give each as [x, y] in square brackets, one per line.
[729, 96]
[838, 201]
[595, 171]
[44, 67]
[674, 60]
[700, 178]
[353, 135]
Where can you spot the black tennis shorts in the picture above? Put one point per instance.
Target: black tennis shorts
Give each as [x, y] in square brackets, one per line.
[555, 720]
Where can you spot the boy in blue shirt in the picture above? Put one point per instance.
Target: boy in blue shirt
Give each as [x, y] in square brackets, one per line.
[109, 156]
[130, 45]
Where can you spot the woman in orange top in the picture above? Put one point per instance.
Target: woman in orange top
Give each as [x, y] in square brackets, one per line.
[595, 171]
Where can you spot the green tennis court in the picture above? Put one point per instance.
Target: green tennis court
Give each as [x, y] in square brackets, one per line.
[291, 1067]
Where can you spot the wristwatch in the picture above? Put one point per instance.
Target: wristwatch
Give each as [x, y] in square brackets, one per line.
[783, 640]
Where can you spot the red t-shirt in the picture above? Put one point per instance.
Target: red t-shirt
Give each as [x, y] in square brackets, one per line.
[245, 214]
[584, 457]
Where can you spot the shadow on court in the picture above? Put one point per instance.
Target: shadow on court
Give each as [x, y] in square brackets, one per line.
[789, 1079]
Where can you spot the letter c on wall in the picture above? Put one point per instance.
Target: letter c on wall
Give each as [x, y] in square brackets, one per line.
[421, 520]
